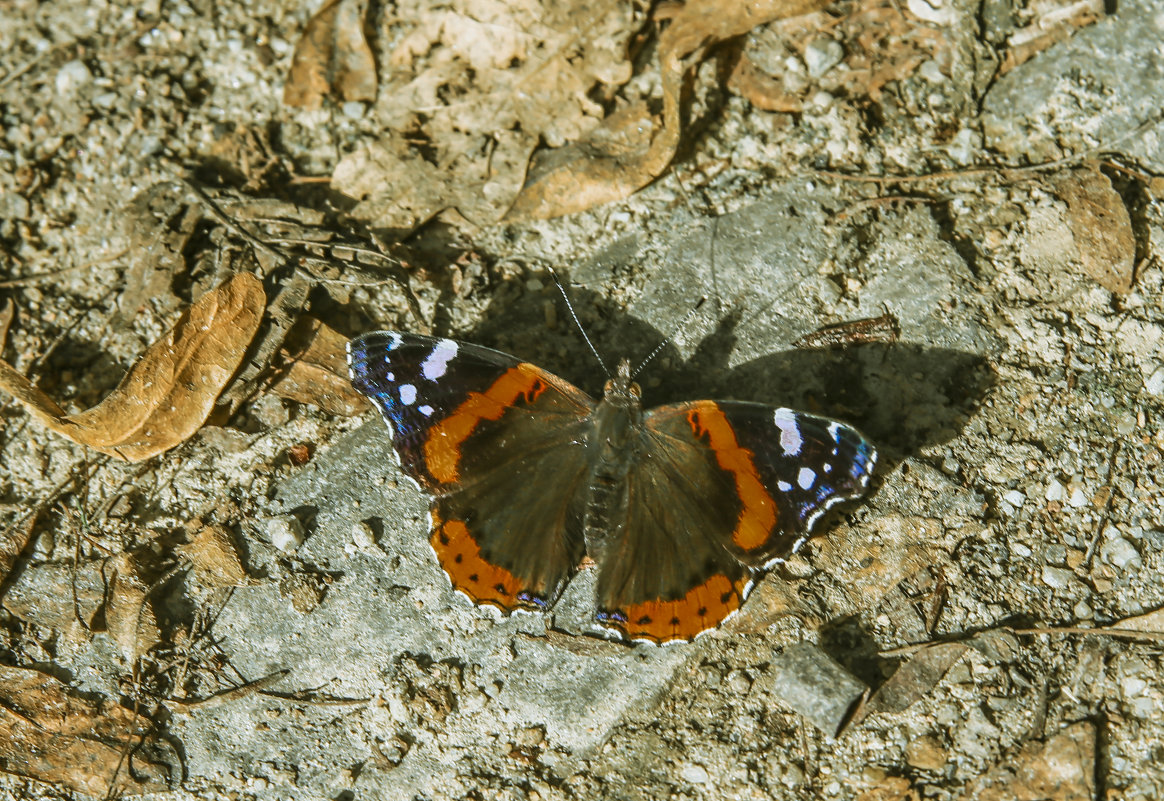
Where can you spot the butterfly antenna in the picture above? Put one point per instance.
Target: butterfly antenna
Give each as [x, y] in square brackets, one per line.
[577, 322]
[670, 337]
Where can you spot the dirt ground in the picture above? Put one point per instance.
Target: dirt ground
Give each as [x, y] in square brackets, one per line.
[256, 613]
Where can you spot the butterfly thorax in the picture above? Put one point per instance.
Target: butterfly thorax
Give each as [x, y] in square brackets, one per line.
[614, 444]
[617, 423]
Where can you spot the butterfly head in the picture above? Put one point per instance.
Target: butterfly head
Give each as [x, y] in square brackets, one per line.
[621, 390]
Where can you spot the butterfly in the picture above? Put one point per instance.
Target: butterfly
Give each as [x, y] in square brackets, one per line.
[679, 507]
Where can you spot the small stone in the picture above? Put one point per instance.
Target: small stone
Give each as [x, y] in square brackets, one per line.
[1077, 500]
[1154, 383]
[285, 532]
[738, 682]
[72, 75]
[822, 55]
[931, 72]
[939, 12]
[1015, 498]
[1055, 491]
[363, 535]
[926, 753]
[694, 774]
[353, 109]
[1119, 552]
[1057, 577]
[1083, 611]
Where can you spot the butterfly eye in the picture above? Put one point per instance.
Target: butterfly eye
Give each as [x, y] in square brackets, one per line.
[635, 391]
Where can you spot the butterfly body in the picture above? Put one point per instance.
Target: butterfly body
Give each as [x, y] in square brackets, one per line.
[678, 505]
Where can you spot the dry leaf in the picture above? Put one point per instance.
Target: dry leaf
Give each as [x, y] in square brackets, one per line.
[333, 57]
[473, 90]
[129, 612]
[318, 372]
[880, 45]
[1060, 768]
[915, 678]
[1053, 22]
[168, 394]
[1102, 228]
[14, 539]
[215, 558]
[629, 154]
[6, 315]
[1149, 621]
[49, 734]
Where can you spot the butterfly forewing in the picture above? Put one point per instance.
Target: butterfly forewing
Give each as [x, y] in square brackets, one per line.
[479, 429]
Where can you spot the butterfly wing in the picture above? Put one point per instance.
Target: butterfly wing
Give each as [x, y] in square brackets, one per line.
[717, 489]
[497, 442]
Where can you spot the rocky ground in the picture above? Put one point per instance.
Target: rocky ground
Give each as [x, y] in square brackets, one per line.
[990, 180]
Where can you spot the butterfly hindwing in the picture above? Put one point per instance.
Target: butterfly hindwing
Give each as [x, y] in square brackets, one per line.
[718, 488]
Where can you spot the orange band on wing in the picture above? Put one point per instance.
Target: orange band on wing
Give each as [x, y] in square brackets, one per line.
[470, 573]
[758, 515]
[442, 450]
[703, 608]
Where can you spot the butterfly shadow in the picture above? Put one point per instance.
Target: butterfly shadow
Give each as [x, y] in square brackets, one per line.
[903, 396]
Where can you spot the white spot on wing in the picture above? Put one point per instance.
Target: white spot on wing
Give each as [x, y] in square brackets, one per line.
[790, 439]
[784, 486]
[407, 394]
[835, 430]
[427, 411]
[437, 362]
[805, 478]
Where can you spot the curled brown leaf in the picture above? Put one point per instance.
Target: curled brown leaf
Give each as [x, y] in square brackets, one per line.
[94, 747]
[170, 391]
[332, 57]
[627, 152]
[317, 371]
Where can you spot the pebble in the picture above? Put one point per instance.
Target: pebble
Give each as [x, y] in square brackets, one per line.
[694, 774]
[285, 532]
[72, 75]
[1055, 491]
[1154, 383]
[1057, 577]
[1119, 552]
[1015, 498]
[822, 55]
[363, 536]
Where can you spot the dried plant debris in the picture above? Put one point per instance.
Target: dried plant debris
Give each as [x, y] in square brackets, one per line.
[1101, 226]
[332, 58]
[214, 556]
[785, 62]
[129, 614]
[915, 678]
[1047, 22]
[478, 87]
[171, 390]
[631, 149]
[316, 371]
[95, 747]
[1061, 767]
[474, 88]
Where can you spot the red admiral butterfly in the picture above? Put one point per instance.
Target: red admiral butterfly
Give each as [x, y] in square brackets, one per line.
[678, 506]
